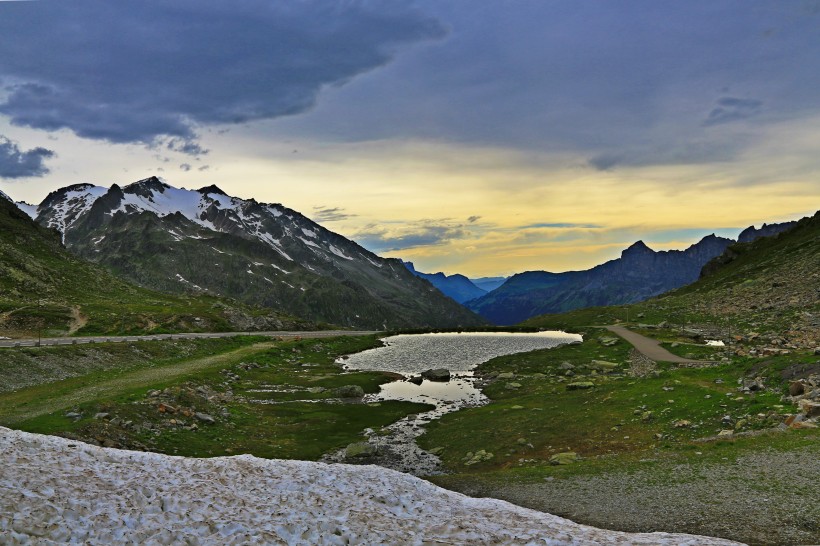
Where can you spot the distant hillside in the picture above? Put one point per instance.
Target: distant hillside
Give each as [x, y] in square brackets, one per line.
[186, 241]
[638, 274]
[489, 284]
[458, 287]
[44, 287]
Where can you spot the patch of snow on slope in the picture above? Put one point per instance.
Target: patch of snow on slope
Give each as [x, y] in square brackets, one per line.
[308, 242]
[182, 279]
[280, 269]
[62, 490]
[30, 210]
[75, 203]
[377, 264]
[309, 233]
[339, 253]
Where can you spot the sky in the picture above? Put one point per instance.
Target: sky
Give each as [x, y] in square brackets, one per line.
[468, 136]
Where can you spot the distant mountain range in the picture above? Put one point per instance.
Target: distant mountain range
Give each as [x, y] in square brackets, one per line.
[205, 241]
[765, 291]
[458, 287]
[638, 274]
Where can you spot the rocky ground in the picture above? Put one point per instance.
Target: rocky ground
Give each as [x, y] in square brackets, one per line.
[764, 497]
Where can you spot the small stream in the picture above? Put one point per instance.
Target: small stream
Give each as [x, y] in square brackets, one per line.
[410, 355]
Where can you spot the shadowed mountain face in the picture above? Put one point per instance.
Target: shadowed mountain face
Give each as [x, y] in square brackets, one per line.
[638, 274]
[458, 287]
[179, 240]
[766, 230]
[46, 289]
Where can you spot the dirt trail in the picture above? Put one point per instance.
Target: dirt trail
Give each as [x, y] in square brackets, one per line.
[11, 411]
[78, 320]
[650, 348]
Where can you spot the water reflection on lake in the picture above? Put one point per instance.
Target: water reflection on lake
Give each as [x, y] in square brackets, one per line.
[459, 353]
[410, 355]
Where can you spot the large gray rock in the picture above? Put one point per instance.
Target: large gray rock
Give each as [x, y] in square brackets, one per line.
[350, 391]
[438, 374]
[360, 450]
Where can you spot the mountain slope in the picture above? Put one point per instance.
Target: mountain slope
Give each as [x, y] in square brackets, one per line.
[179, 240]
[44, 287]
[638, 274]
[458, 287]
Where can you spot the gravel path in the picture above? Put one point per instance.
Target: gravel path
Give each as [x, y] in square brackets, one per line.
[649, 347]
[766, 497]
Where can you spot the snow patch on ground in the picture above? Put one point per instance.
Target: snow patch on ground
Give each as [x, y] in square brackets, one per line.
[53, 489]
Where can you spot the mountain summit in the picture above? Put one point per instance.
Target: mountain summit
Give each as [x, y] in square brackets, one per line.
[179, 240]
[638, 274]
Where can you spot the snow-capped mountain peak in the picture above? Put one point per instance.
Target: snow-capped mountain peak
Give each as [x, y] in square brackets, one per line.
[166, 237]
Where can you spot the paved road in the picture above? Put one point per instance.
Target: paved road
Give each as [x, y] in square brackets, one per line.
[118, 339]
[650, 348]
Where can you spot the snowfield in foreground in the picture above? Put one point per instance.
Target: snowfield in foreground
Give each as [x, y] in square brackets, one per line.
[53, 489]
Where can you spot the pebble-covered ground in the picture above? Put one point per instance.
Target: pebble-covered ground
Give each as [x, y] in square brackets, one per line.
[764, 497]
[54, 490]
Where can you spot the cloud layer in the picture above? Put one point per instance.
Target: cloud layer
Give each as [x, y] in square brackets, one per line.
[157, 71]
[16, 163]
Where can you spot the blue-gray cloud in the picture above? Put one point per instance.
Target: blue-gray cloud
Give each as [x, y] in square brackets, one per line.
[155, 71]
[330, 214]
[379, 239]
[16, 163]
[560, 225]
[732, 109]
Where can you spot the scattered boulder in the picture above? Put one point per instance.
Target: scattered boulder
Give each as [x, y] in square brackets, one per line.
[567, 457]
[603, 365]
[360, 450]
[683, 423]
[477, 457]
[810, 408]
[513, 385]
[796, 388]
[438, 374]
[580, 385]
[205, 418]
[101, 415]
[506, 375]
[416, 379]
[349, 391]
[566, 366]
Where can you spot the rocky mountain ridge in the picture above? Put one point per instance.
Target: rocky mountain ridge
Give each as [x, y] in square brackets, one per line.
[182, 241]
[638, 274]
[457, 286]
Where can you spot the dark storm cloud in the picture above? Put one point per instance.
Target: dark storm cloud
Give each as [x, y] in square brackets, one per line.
[157, 70]
[16, 163]
[624, 83]
[327, 214]
[732, 109]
